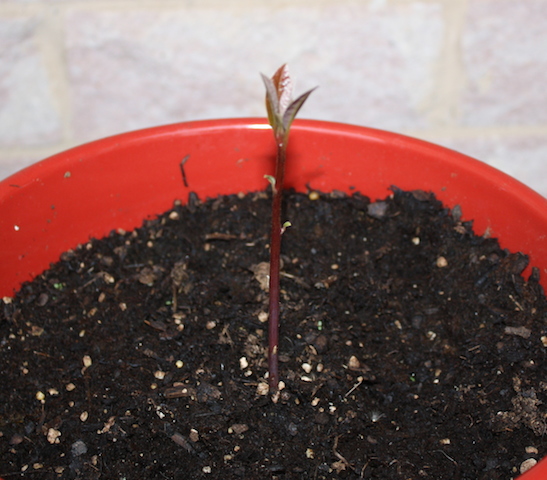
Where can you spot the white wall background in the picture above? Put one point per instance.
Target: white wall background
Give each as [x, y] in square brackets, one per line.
[468, 74]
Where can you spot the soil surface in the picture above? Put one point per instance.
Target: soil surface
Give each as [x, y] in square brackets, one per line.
[410, 349]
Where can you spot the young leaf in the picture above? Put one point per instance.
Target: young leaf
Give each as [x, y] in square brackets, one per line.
[283, 84]
[272, 102]
[279, 103]
[293, 108]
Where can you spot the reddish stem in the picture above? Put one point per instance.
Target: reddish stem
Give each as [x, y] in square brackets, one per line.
[275, 253]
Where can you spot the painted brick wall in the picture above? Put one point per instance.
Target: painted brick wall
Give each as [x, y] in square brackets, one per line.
[468, 74]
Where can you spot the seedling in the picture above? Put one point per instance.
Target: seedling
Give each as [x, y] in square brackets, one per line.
[282, 110]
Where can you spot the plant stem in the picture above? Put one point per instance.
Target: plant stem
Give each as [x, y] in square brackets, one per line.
[275, 252]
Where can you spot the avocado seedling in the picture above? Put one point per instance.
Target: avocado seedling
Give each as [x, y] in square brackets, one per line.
[282, 110]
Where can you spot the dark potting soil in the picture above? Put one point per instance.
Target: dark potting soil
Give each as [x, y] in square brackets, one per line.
[410, 348]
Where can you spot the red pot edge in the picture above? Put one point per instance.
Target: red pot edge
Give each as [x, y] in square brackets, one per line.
[31, 172]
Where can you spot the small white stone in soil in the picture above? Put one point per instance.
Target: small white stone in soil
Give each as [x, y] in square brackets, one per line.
[354, 363]
[160, 414]
[53, 435]
[310, 453]
[262, 389]
[160, 375]
[416, 240]
[527, 464]
[109, 278]
[243, 363]
[306, 367]
[84, 416]
[532, 450]
[313, 196]
[70, 386]
[87, 361]
[442, 262]
[40, 396]
[206, 469]
[445, 441]
[544, 341]
[194, 435]
[263, 317]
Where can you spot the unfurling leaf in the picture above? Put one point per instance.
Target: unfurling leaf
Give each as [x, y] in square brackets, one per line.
[279, 103]
[283, 84]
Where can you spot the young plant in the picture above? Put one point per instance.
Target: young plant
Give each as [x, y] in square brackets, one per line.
[282, 110]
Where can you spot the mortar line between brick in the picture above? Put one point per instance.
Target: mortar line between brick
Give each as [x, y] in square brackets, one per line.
[443, 105]
[117, 5]
[51, 40]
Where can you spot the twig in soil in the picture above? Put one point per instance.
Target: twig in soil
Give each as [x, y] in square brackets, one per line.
[338, 455]
[519, 306]
[220, 236]
[281, 112]
[447, 456]
[224, 336]
[352, 389]
[297, 280]
[362, 474]
[318, 387]
[181, 441]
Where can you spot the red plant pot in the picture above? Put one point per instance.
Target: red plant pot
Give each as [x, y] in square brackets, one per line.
[115, 183]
